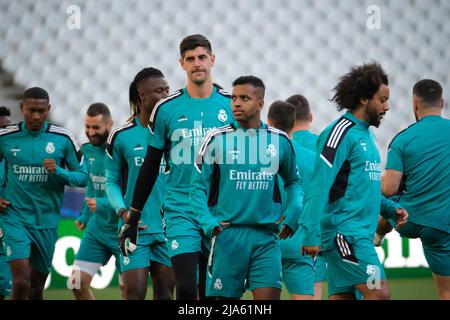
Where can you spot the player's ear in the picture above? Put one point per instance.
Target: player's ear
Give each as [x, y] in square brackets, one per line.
[363, 102]
[49, 106]
[181, 63]
[442, 104]
[310, 117]
[213, 59]
[21, 106]
[260, 104]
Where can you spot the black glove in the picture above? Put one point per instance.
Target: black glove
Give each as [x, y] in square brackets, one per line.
[128, 235]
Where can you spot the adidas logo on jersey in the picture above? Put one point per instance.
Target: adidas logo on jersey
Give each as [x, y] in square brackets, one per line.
[182, 118]
[15, 150]
[138, 147]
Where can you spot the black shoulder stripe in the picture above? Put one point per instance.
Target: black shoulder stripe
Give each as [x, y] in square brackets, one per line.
[223, 92]
[113, 135]
[66, 133]
[10, 129]
[337, 134]
[158, 106]
[211, 134]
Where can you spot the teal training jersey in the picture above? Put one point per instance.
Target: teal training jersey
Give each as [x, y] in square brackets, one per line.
[36, 194]
[179, 124]
[306, 139]
[291, 247]
[235, 178]
[422, 154]
[104, 219]
[126, 149]
[344, 195]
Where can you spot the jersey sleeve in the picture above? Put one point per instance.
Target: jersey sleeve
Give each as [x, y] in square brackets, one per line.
[158, 129]
[387, 210]
[395, 156]
[114, 163]
[292, 184]
[199, 191]
[328, 162]
[76, 173]
[87, 213]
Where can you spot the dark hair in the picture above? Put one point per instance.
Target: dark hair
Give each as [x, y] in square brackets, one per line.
[362, 82]
[135, 100]
[98, 108]
[282, 115]
[193, 41]
[35, 93]
[255, 81]
[4, 112]
[301, 105]
[429, 92]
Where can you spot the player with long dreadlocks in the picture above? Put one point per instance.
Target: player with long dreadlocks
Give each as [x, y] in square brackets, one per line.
[126, 150]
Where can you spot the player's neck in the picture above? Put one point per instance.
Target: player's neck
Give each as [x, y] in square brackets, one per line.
[429, 112]
[301, 126]
[200, 91]
[144, 118]
[253, 123]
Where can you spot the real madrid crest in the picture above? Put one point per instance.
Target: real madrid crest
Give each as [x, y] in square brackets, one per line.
[50, 148]
[271, 151]
[222, 116]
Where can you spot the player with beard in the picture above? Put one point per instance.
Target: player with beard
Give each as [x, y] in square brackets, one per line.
[99, 242]
[344, 198]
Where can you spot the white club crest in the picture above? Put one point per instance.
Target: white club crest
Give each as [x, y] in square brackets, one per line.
[218, 284]
[50, 148]
[222, 116]
[271, 151]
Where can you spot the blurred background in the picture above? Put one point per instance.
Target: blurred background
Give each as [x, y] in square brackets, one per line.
[87, 51]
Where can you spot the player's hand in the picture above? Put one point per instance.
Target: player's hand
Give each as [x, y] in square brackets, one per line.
[310, 250]
[92, 204]
[128, 235]
[80, 226]
[402, 217]
[50, 165]
[219, 229]
[3, 204]
[285, 232]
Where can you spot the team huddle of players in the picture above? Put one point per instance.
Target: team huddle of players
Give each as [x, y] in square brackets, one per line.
[200, 194]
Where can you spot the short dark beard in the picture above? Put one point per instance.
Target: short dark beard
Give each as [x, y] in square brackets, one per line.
[373, 116]
[101, 139]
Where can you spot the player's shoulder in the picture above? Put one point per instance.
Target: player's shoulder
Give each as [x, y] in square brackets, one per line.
[278, 132]
[54, 129]
[10, 130]
[404, 134]
[337, 131]
[221, 92]
[86, 146]
[121, 131]
[216, 132]
[161, 105]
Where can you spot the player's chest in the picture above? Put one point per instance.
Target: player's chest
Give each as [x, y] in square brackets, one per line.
[187, 122]
[34, 151]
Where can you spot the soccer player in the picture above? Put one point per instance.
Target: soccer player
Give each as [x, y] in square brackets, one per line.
[236, 196]
[36, 153]
[303, 118]
[418, 163]
[5, 273]
[126, 149]
[99, 241]
[305, 138]
[344, 197]
[179, 124]
[299, 272]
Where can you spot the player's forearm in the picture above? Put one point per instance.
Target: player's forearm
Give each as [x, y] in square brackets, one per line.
[76, 178]
[85, 214]
[147, 177]
[388, 207]
[114, 192]
[294, 201]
